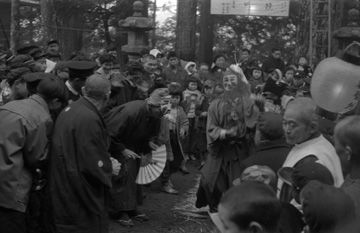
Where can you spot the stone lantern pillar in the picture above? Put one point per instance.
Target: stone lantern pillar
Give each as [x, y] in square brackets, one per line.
[136, 27]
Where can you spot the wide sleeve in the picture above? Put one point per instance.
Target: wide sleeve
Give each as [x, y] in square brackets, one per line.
[36, 143]
[183, 120]
[93, 157]
[117, 122]
[214, 129]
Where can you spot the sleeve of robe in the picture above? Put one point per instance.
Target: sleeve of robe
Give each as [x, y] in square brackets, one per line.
[94, 160]
[213, 127]
[117, 122]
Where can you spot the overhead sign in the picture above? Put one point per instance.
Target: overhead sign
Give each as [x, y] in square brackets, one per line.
[250, 7]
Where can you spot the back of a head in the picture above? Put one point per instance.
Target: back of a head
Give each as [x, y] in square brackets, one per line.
[52, 87]
[252, 202]
[347, 132]
[326, 208]
[97, 87]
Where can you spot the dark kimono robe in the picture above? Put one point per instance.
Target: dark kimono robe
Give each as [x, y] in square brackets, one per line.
[130, 127]
[225, 154]
[80, 170]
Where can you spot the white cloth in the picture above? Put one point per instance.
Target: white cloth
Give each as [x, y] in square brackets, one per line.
[323, 151]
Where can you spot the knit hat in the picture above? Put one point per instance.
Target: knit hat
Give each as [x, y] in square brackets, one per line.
[270, 125]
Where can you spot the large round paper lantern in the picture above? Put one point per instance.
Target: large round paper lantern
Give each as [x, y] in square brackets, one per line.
[335, 85]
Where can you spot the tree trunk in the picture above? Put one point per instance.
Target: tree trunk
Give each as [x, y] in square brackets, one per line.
[206, 33]
[15, 25]
[48, 19]
[185, 29]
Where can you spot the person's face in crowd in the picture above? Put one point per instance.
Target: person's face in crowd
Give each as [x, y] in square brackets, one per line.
[220, 62]
[175, 100]
[40, 65]
[289, 76]
[192, 69]
[244, 55]
[295, 128]
[150, 65]
[107, 67]
[302, 61]
[192, 86]
[155, 111]
[53, 49]
[174, 61]
[274, 76]
[344, 153]
[276, 54]
[230, 82]
[204, 69]
[256, 74]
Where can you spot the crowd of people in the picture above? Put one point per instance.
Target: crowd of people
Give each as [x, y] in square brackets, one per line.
[75, 132]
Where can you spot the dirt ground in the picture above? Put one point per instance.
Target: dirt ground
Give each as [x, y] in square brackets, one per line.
[172, 213]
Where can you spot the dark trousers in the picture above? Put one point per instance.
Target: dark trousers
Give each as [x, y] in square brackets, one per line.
[12, 221]
[189, 145]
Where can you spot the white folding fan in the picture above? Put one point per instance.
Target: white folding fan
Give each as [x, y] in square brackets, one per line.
[152, 171]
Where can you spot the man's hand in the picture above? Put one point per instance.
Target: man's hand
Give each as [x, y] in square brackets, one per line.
[129, 154]
[231, 132]
[153, 145]
[116, 166]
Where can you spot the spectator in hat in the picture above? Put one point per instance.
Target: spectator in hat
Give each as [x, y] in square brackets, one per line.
[106, 65]
[25, 135]
[249, 207]
[14, 86]
[347, 146]
[53, 51]
[174, 72]
[274, 61]
[271, 149]
[301, 128]
[79, 71]
[134, 128]
[301, 175]
[327, 209]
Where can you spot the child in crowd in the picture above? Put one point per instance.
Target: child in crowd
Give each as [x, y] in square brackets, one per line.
[256, 79]
[191, 102]
[178, 127]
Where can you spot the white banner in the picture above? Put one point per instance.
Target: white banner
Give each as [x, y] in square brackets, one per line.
[250, 7]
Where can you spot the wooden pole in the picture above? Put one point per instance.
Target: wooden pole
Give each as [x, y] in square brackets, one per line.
[311, 34]
[206, 33]
[15, 25]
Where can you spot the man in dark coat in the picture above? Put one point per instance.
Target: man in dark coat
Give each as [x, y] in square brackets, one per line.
[133, 128]
[80, 165]
[79, 71]
[271, 149]
[274, 62]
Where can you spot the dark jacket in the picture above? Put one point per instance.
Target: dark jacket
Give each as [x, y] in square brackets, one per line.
[270, 153]
[25, 129]
[80, 170]
[271, 64]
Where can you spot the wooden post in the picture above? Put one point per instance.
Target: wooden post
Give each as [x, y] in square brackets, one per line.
[206, 33]
[185, 29]
[15, 25]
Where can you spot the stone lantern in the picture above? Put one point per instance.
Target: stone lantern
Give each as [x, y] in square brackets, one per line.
[136, 27]
[351, 32]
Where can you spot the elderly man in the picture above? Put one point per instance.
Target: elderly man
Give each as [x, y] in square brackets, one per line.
[301, 127]
[228, 119]
[133, 128]
[25, 128]
[80, 166]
